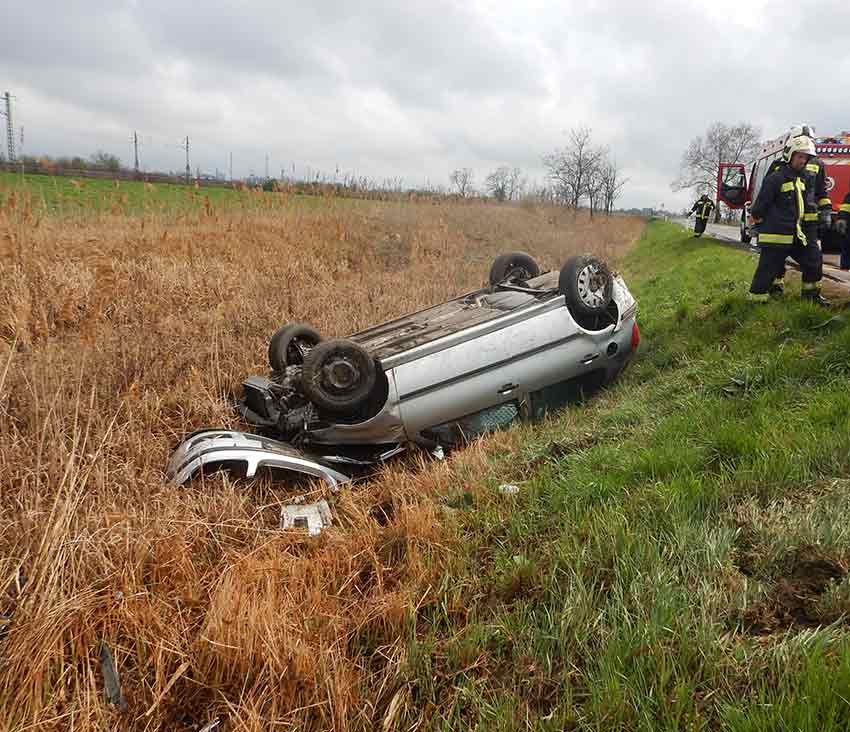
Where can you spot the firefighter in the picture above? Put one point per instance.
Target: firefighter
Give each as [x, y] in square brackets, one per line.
[703, 208]
[817, 219]
[841, 227]
[779, 213]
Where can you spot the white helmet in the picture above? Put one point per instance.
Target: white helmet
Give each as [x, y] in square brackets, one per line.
[802, 129]
[798, 141]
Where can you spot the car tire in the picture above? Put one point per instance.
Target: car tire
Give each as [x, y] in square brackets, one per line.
[518, 265]
[286, 345]
[587, 286]
[338, 376]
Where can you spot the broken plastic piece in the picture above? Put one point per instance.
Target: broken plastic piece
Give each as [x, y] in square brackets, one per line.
[311, 516]
[438, 452]
[225, 447]
[508, 489]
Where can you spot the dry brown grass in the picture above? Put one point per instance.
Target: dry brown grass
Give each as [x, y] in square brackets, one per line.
[119, 334]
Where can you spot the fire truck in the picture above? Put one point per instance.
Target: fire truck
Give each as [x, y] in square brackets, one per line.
[738, 187]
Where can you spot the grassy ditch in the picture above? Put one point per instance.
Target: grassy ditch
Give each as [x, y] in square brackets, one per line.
[678, 552]
[675, 558]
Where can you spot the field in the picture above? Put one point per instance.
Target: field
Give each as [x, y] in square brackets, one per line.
[120, 331]
[676, 557]
[67, 196]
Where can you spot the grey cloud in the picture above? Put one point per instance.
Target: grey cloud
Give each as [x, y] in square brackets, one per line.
[415, 89]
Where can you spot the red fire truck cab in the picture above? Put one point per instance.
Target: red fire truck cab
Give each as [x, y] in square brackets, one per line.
[738, 190]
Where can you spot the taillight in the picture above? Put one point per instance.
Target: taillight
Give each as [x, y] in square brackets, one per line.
[635, 336]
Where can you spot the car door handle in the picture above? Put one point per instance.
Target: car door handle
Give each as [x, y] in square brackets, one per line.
[507, 389]
[589, 358]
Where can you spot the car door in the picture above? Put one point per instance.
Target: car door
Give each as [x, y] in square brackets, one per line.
[732, 184]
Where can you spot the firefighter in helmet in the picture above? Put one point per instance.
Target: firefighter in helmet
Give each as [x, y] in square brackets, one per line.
[817, 219]
[703, 208]
[841, 226]
[779, 211]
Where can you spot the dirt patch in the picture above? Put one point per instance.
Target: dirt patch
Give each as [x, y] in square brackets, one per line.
[793, 601]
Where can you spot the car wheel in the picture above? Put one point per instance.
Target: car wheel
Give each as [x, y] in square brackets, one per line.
[290, 344]
[516, 265]
[338, 376]
[587, 285]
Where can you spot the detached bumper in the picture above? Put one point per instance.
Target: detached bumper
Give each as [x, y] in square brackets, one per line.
[225, 447]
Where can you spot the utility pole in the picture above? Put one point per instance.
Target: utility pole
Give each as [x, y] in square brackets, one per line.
[188, 169]
[136, 151]
[10, 128]
[267, 166]
[231, 167]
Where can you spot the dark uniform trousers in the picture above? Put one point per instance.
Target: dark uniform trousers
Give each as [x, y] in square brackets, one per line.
[772, 262]
[844, 214]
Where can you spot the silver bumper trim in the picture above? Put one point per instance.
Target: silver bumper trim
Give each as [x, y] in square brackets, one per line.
[209, 447]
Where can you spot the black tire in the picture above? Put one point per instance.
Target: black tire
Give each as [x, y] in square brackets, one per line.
[587, 285]
[518, 265]
[286, 345]
[338, 376]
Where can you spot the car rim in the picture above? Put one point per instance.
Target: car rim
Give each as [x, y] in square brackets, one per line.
[341, 375]
[591, 286]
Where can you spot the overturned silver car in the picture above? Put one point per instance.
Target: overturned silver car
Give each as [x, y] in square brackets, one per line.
[525, 345]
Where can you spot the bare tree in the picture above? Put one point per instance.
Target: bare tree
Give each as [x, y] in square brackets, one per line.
[106, 161]
[721, 143]
[496, 183]
[612, 184]
[462, 179]
[516, 184]
[571, 167]
[594, 187]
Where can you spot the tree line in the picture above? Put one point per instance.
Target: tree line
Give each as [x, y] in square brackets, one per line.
[579, 173]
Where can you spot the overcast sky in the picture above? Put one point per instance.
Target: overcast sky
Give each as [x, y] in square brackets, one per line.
[414, 89]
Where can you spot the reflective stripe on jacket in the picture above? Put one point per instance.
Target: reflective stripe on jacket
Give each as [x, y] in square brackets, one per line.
[703, 208]
[780, 206]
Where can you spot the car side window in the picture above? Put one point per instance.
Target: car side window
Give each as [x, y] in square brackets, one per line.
[557, 396]
[473, 425]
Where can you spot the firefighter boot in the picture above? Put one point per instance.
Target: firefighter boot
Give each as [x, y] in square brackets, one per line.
[812, 295]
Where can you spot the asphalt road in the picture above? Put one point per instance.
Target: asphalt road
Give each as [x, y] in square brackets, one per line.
[724, 232]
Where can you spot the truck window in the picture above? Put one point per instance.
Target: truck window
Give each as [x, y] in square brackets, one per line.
[733, 178]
